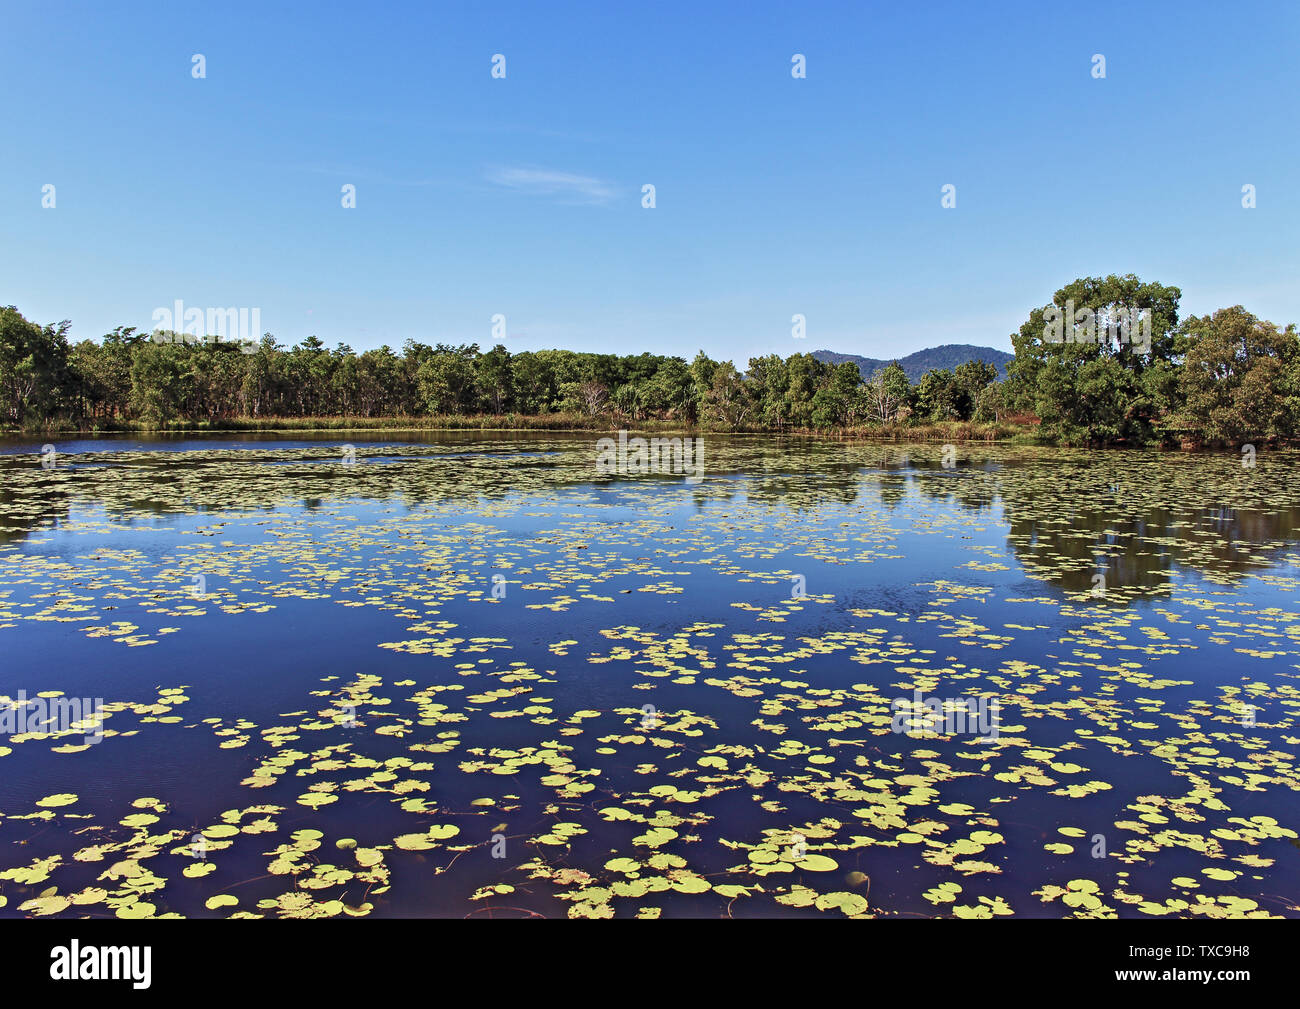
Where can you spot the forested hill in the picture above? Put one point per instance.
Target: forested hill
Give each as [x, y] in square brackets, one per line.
[949, 355]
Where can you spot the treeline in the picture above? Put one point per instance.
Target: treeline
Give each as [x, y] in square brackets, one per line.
[1221, 378]
[157, 378]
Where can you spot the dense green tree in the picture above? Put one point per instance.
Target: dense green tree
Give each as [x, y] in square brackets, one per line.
[703, 368]
[729, 401]
[671, 390]
[33, 367]
[767, 381]
[494, 379]
[160, 379]
[804, 375]
[937, 395]
[446, 379]
[533, 380]
[1240, 377]
[839, 402]
[969, 382]
[101, 374]
[991, 406]
[1091, 386]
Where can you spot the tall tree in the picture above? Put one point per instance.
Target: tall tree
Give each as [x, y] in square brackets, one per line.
[888, 392]
[33, 368]
[494, 378]
[1090, 386]
[1241, 377]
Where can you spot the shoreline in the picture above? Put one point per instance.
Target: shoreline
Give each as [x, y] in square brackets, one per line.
[1007, 433]
[959, 431]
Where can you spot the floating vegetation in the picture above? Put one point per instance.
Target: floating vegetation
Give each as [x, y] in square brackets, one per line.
[495, 683]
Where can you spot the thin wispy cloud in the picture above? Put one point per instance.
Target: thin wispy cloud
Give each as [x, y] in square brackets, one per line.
[564, 186]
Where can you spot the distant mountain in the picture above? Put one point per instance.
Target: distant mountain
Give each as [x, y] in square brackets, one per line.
[949, 355]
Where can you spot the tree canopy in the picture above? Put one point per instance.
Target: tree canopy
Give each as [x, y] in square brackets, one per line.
[1106, 361]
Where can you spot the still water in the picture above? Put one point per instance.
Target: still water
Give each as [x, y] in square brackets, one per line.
[467, 674]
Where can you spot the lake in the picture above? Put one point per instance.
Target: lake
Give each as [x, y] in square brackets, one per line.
[457, 674]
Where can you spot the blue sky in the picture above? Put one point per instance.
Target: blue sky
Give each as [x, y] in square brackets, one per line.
[522, 196]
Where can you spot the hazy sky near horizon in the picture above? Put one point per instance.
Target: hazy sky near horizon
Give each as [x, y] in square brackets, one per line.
[523, 196]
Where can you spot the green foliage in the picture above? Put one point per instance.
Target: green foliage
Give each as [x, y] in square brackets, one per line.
[728, 401]
[1226, 377]
[446, 378]
[888, 394]
[1097, 390]
[1239, 378]
[936, 396]
[34, 379]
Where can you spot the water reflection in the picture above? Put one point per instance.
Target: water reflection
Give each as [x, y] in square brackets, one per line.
[1129, 518]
